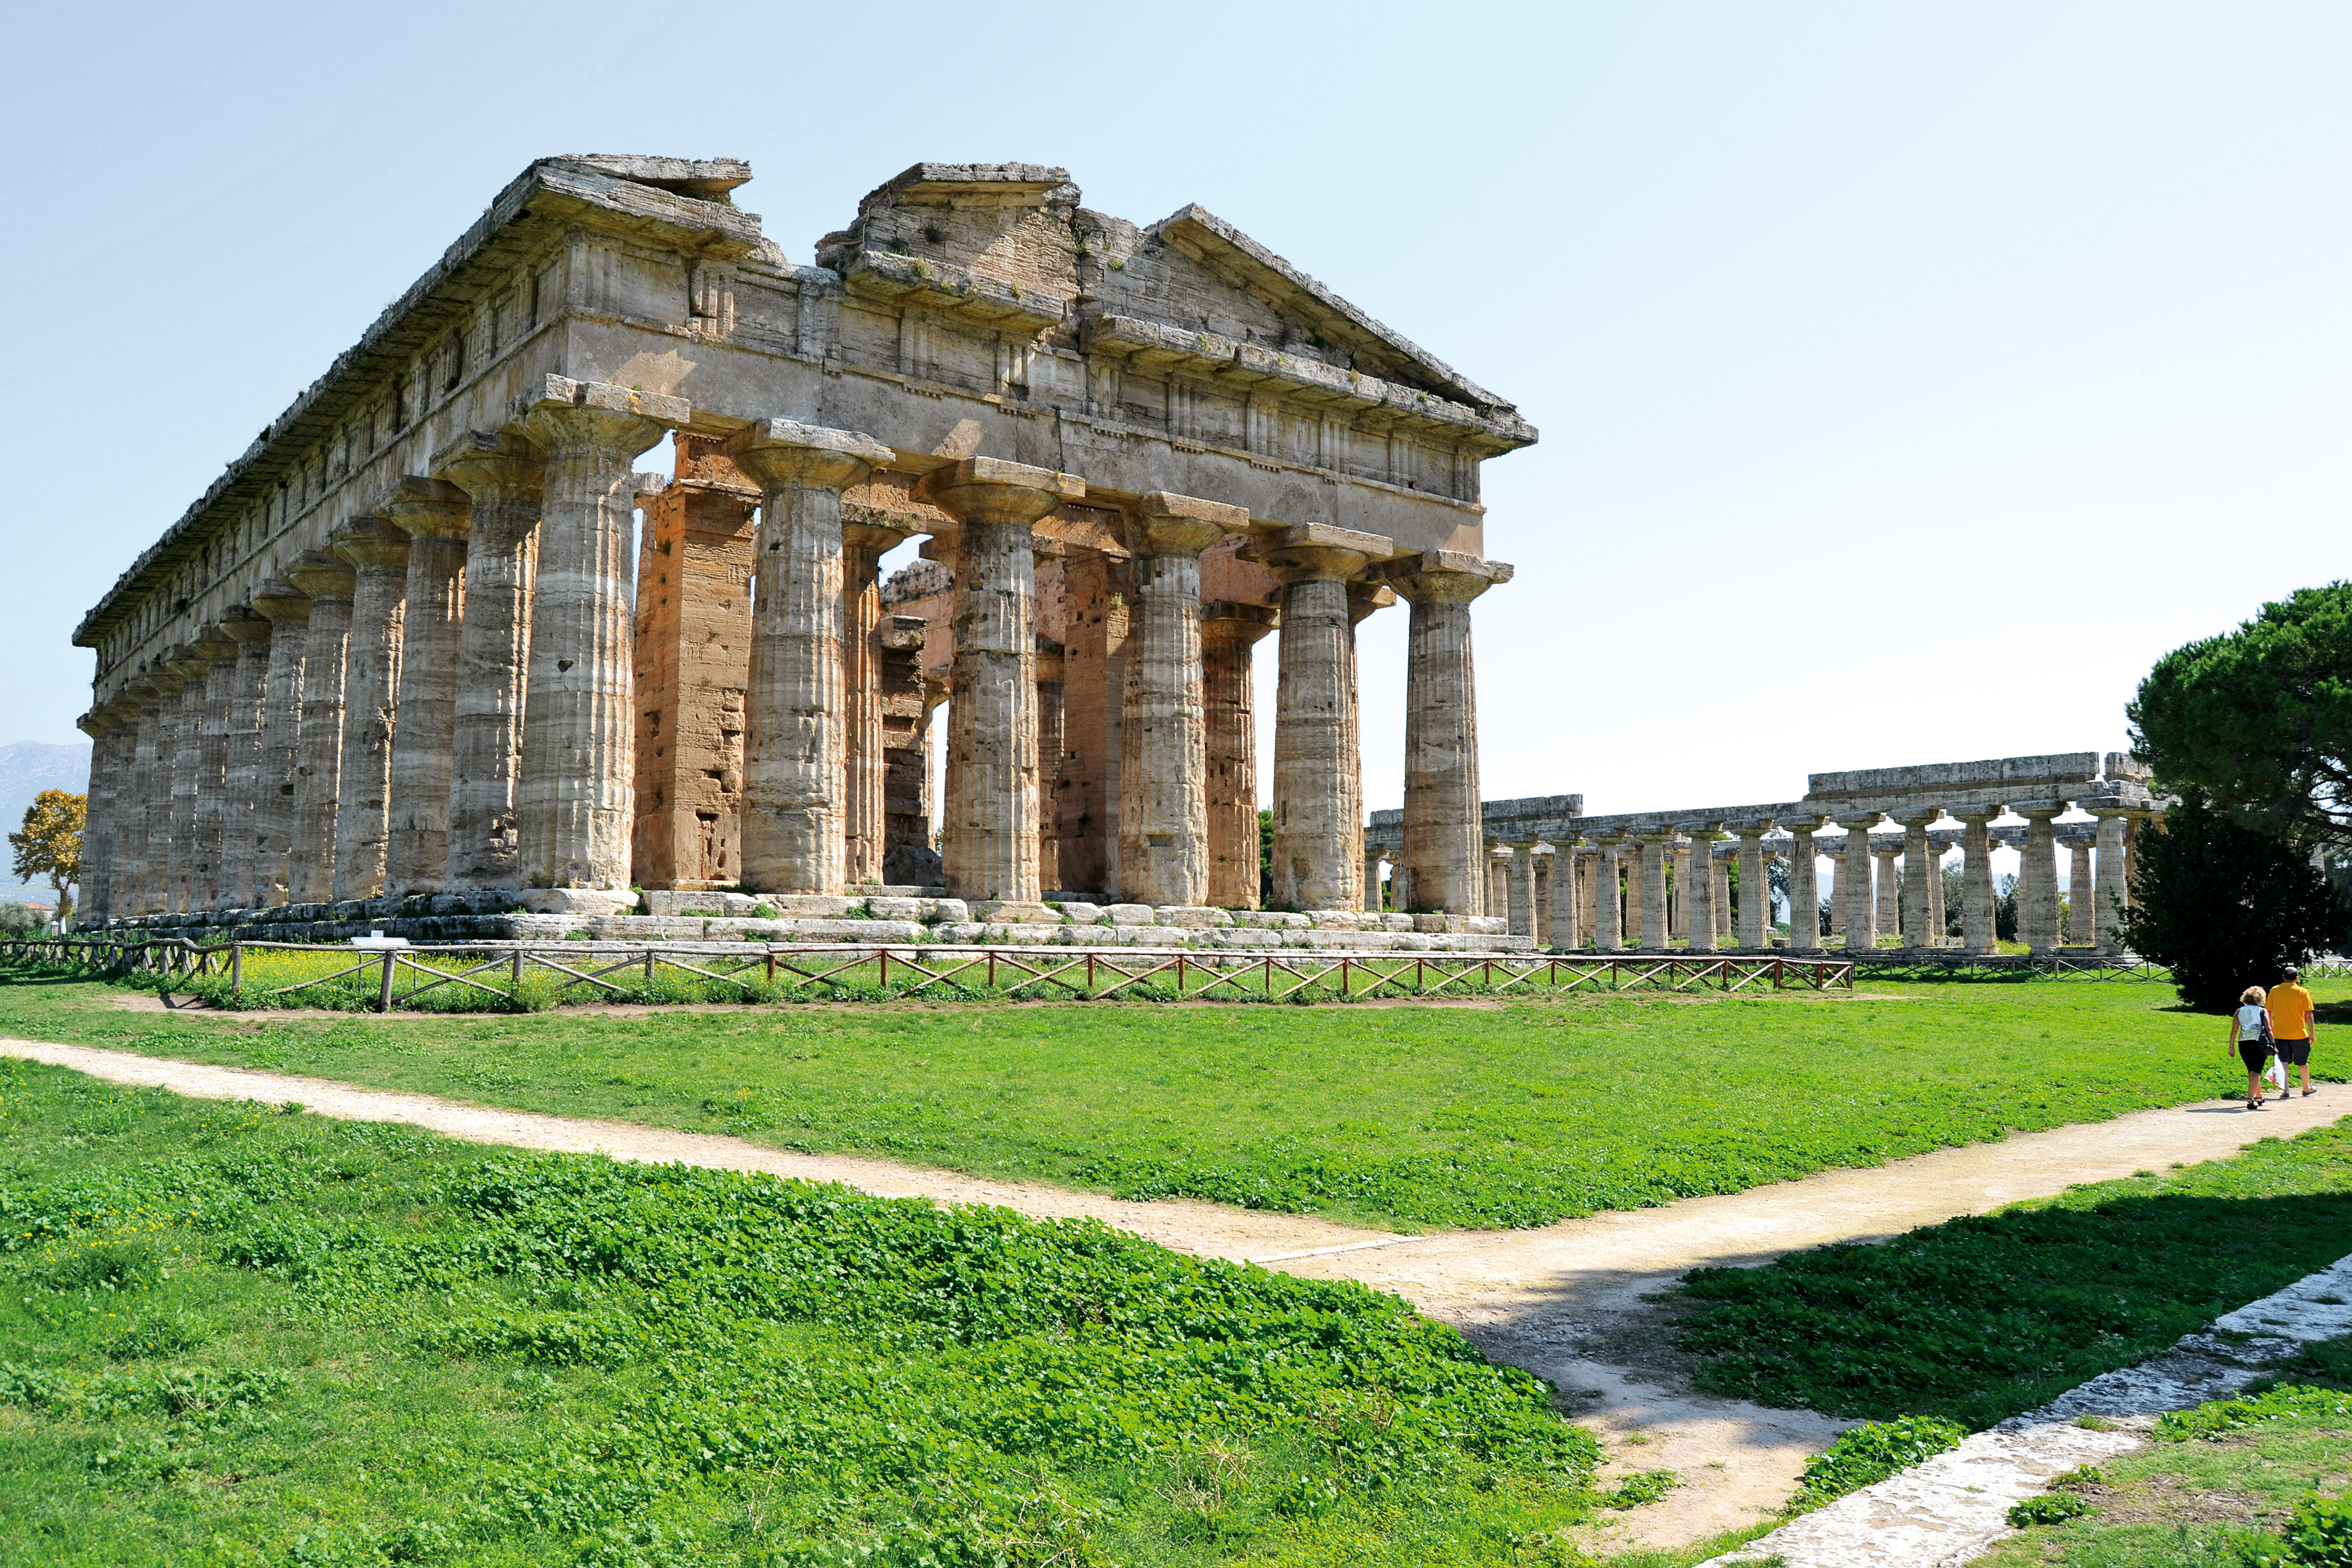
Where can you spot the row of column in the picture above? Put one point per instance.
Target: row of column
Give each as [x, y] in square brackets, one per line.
[1614, 891]
[440, 701]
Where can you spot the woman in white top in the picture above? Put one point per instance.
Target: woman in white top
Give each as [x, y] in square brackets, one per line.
[2250, 1037]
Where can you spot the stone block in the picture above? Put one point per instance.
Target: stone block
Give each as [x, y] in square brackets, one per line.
[1014, 911]
[1198, 916]
[1131, 914]
[584, 902]
[949, 909]
[1396, 922]
[1336, 920]
[859, 931]
[811, 906]
[1080, 913]
[898, 908]
[1158, 936]
[1485, 925]
[1245, 936]
[958, 931]
[1023, 934]
[1270, 920]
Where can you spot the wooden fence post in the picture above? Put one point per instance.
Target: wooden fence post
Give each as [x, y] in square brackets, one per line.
[384, 993]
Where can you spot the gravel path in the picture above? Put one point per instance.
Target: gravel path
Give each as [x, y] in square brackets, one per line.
[1532, 1298]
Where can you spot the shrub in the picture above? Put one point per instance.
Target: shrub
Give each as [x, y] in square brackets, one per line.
[2054, 1508]
[1870, 1453]
[2319, 1534]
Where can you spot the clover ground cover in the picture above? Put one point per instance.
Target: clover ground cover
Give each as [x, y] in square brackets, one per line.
[1408, 1117]
[231, 1334]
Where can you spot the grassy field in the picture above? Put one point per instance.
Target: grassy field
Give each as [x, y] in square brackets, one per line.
[2220, 1486]
[1983, 1316]
[235, 1334]
[1405, 1116]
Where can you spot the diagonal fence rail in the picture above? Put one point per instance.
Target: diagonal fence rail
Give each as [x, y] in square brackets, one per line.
[509, 975]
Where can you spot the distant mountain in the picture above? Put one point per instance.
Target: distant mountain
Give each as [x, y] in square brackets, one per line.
[26, 768]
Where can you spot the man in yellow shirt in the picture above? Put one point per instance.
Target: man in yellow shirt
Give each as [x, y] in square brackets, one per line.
[2292, 1029]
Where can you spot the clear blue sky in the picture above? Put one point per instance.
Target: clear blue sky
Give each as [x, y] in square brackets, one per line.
[1909, 377]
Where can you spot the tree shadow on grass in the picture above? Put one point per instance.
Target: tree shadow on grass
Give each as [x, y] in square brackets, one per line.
[1985, 1316]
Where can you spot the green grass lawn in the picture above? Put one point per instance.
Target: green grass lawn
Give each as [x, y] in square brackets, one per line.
[2220, 1486]
[1405, 1116]
[234, 1335]
[1989, 1315]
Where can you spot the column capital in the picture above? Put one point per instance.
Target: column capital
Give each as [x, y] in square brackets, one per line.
[164, 675]
[244, 626]
[426, 509]
[2039, 810]
[873, 538]
[563, 416]
[323, 578]
[214, 646]
[1165, 523]
[1237, 622]
[484, 463]
[1443, 576]
[370, 544]
[1316, 551]
[777, 452]
[992, 490]
[281, 603]
[1918, 817]
[1975, 811]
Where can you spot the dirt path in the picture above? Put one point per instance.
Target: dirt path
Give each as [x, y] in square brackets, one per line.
[1538, 1298]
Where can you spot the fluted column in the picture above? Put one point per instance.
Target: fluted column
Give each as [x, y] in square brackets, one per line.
[99, 726]
[505, 478]
[2081, 900]
[193, 666]
[329, 581]
[1652, 931]
[436, 516]
[1566, 907]
[211, 764]
[1608, 932]
[1804, 887]
[1977, 934]
[2037, 890]
[121, 716]
[378, 556]
[1855, 885]
[1317, 774]
[991, 814]
[138, 880]
[1518, 875]
[1229, 711]
[287, 610]
[796, 822]
[1442, 827]
[1163, 770]
[866, 764]
[1918, 877]
[576, 794]
[1544, 867]
[1719, 889]
[250, 686]
[1890, 912]
[1755, 888]
[2111, 897]
[1699, 889]
[1498, 882]
[1937, 913]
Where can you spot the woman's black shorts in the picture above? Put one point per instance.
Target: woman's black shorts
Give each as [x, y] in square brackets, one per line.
[2255, 1054]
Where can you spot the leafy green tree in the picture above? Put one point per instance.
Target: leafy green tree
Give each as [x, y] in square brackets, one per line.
[2259, 721]
[50, 844]
[1264, 857]
[2226, 907]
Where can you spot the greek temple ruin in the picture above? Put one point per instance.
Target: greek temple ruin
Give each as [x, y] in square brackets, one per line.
[1654, 881]
[398, 660]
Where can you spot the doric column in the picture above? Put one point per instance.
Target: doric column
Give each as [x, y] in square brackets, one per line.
[795, 752]
[1698, 888]
[1053, 717]
[2037, 887]
[1230, 734]
[1608, 932]
[378, 556]
[1755, 887]
[2111, 895]
[329, 581]
[1442, 827]
[992, 809]
[1805, 886]
[1567, 905]
[193, 666]
[436, 516]
[287, 610]
[1919, 875]
[1519, 873]
[1890, 885]
[1855, 885]
[147, 830]
[1719, 889]
[866, 764]
[212, 780]
[1652, 930]
[241, 803]
[100, 726]
[1164, 771]
[505, 478]
[1839, 886]
[1317, 774]
[1548, 865]
[576, 794]
[2081, 899]
[1977, 935]
[120, 715]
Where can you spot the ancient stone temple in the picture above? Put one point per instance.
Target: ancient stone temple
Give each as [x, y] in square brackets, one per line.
[401, 650]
